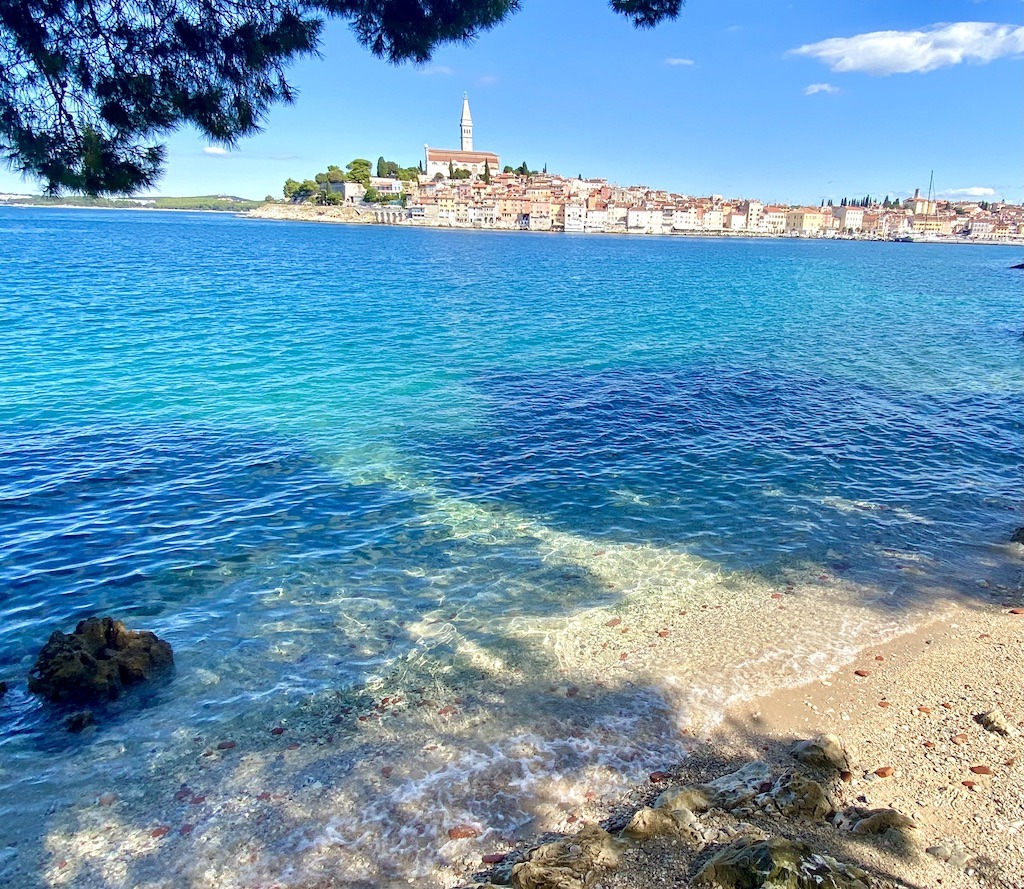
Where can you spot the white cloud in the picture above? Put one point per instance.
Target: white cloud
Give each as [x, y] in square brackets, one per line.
[975, 191]
[216, 151]
[677, 62]
[437, 69]
[820, 88]
[488, 79]
[903, 52]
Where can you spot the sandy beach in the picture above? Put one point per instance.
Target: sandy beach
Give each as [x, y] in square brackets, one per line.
[906, 712]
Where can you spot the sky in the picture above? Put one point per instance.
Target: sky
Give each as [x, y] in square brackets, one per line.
[790, 102]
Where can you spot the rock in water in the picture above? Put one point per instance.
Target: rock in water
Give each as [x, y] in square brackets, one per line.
[822, 752]
[779, 863]
[96, 661]
[573, 863]
[1017, 536]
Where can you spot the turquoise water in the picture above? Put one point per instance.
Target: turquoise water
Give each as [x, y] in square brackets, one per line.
[284, 447]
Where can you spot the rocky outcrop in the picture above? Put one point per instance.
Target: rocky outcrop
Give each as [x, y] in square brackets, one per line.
[573, 863]
[797, 796]
[97, 661]
[778, 863]
[823, 752]
[868, 821]
[1017, 536]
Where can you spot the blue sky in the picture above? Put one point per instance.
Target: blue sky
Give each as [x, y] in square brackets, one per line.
[716, 102]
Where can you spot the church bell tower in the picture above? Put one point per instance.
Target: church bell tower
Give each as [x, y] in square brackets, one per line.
[467, 125]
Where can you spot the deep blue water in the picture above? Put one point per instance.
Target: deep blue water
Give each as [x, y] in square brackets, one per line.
[213, 426]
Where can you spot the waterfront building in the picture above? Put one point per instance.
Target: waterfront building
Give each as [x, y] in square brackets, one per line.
[443, 160]
[804, 220]
[850, 218]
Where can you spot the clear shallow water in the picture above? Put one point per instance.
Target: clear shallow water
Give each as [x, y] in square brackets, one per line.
[312, 456]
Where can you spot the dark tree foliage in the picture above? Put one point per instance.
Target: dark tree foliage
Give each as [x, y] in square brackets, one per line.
[87, 86]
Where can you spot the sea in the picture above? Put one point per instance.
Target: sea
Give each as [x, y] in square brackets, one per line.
[457, 534]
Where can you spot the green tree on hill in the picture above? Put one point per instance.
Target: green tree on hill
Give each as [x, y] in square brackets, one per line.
[358, 171]
[487, 172]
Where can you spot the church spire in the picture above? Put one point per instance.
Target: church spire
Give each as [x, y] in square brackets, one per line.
[466, 124]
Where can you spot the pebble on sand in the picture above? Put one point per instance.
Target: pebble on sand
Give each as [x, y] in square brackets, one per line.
[861, 673]
[981, 770]
[884, 772]
[160, 831]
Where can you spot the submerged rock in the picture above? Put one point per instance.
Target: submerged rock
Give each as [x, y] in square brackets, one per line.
[79, 722]
[96, 661]
[573, 863]
[1017, 536]
[822, 752]
[778, 863]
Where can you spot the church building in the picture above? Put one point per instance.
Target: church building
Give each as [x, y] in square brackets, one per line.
[441, 160]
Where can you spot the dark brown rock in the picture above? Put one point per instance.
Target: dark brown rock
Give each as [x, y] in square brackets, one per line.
[463, 832]
[80, 721]
[96, 662]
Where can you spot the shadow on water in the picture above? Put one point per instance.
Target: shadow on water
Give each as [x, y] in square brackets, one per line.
[220, 539]
[752, 469]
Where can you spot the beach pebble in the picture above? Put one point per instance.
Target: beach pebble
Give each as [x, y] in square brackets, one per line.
[995, 721]
[108, 799]
[277, 730]
[884, 771]
[861, 673]
[981, 770]
[463, 832]
[940, 852]
[160, 831]
[959, 859]
[226, 745]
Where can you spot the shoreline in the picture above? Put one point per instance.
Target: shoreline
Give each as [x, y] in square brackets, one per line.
[361, 216]
[910, 727]
[326, 786]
